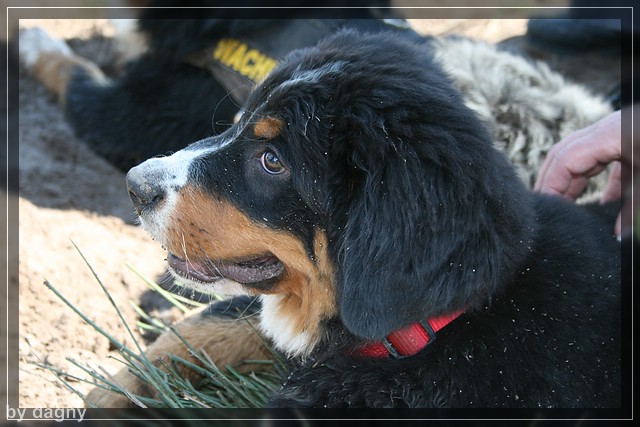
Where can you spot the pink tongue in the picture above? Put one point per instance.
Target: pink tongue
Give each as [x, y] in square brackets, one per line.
[251, 271]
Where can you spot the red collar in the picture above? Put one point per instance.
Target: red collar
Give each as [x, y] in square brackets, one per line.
[407, 341]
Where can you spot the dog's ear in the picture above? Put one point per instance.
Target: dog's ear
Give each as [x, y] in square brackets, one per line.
[432, 215]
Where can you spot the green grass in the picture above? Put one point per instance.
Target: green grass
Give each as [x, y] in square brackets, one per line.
[221, 387]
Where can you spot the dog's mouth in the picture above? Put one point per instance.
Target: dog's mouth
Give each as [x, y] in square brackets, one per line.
[245, 271]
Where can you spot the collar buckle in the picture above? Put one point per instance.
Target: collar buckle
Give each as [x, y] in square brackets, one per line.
[396, 354]
[391, 349]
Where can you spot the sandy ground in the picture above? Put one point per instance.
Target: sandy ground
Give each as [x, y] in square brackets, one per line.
[69, 196]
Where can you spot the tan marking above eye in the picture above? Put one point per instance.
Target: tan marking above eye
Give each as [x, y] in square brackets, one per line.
[267, 127]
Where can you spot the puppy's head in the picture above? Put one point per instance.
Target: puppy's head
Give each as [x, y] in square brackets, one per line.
[356, 185]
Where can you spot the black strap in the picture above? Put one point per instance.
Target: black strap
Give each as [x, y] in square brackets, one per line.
[240, 62]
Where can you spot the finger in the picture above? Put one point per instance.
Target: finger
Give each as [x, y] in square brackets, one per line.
[561, 180]
[551, 159]
[557, 153]
[583, 153]
[613, 189]
[583, 157]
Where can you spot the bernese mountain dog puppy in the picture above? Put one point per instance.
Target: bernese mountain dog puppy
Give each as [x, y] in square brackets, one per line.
[390, 250]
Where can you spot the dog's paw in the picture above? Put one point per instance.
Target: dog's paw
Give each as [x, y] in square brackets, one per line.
[35, 42]
[52, 62]
[102, 398]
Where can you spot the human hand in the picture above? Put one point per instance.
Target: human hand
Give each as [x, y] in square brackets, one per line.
[584, 154]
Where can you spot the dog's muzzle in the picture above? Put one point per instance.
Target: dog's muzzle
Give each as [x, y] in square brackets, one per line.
[146, 190]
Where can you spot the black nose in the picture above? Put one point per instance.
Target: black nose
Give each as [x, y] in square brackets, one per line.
[145, 190]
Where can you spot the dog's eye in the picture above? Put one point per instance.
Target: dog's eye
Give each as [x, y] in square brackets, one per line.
[271, 163]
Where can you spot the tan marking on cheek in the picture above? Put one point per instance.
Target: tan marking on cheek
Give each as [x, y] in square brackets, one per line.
[267, 128]
[54, 70]
[310, 297]
[202, 227]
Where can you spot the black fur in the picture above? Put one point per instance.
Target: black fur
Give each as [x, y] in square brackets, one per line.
[145, 113]
[424, 217]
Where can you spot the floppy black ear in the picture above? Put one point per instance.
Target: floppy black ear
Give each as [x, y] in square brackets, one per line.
[436, 219]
